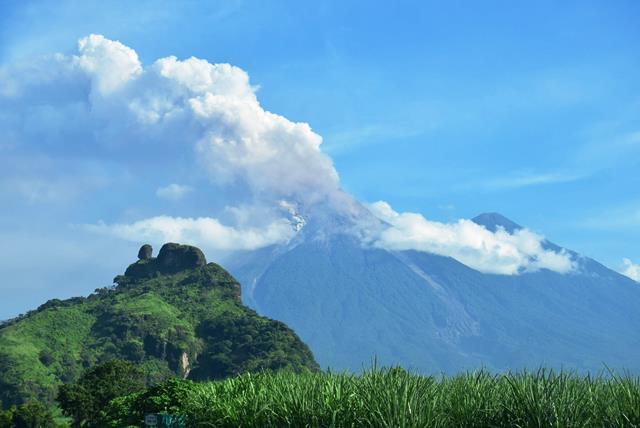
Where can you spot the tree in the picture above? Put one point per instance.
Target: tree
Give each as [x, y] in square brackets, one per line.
[28, 415]
[169, 397]
[33, 415]
[85, 400]
[5, 419]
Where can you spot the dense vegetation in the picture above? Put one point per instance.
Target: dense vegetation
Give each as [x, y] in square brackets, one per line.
[174, 315]
[85, 400]
[28, 415]
[391, 398]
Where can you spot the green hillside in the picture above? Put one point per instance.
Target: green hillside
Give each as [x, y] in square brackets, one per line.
[171, 315]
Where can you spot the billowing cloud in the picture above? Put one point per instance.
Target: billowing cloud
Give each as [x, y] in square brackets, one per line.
[208, 109]
[205, 232]
[631, 270]
[490, 252]
[188, 115]
[110, 64]
[173, 191]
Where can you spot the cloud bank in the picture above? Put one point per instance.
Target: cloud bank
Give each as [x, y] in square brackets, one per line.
[206, 232]
[469, 243]
[631, 270]
[206, 116]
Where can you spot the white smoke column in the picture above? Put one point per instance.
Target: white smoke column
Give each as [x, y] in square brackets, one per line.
[210, 109]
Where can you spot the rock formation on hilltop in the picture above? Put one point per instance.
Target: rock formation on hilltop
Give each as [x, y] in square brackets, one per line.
[172, 258]
[146, 252]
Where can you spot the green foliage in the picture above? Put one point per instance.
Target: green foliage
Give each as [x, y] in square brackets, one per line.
[170, 322]
[269, 343]
[28, 415]
[85, 400]
[170, 397]
[5, 419]
[396, 398]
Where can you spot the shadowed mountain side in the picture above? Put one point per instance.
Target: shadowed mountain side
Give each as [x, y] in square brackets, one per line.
[577, 321]
[338, 297]
[434, 314]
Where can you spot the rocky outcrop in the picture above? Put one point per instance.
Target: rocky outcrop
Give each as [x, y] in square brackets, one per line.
[146, 252]
[185, 365]
[172, 258]
[177, 257]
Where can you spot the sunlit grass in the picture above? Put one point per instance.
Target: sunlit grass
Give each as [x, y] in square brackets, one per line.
[396, 398]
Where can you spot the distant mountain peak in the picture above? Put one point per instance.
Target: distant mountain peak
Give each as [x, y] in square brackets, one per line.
[492, 220]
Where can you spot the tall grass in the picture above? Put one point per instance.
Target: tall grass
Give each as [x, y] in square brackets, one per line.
[395, 398]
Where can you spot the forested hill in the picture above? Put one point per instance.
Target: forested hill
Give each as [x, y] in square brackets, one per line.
[173, 315]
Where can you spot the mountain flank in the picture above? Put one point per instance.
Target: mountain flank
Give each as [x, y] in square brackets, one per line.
[173, 315]
[434, 314]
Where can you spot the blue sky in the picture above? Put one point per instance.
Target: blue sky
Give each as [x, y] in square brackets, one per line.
[449, 109]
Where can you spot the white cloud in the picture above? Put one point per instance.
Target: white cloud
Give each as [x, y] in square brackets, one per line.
[110, 63]
[104, 101]
[173, 191]
[191, 105]
[631, 270]
[468, 242]
[205, 232]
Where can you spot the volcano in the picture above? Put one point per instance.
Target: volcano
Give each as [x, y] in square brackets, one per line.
[430, 313]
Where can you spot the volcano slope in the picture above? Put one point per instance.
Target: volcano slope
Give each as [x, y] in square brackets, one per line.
[351, 303]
